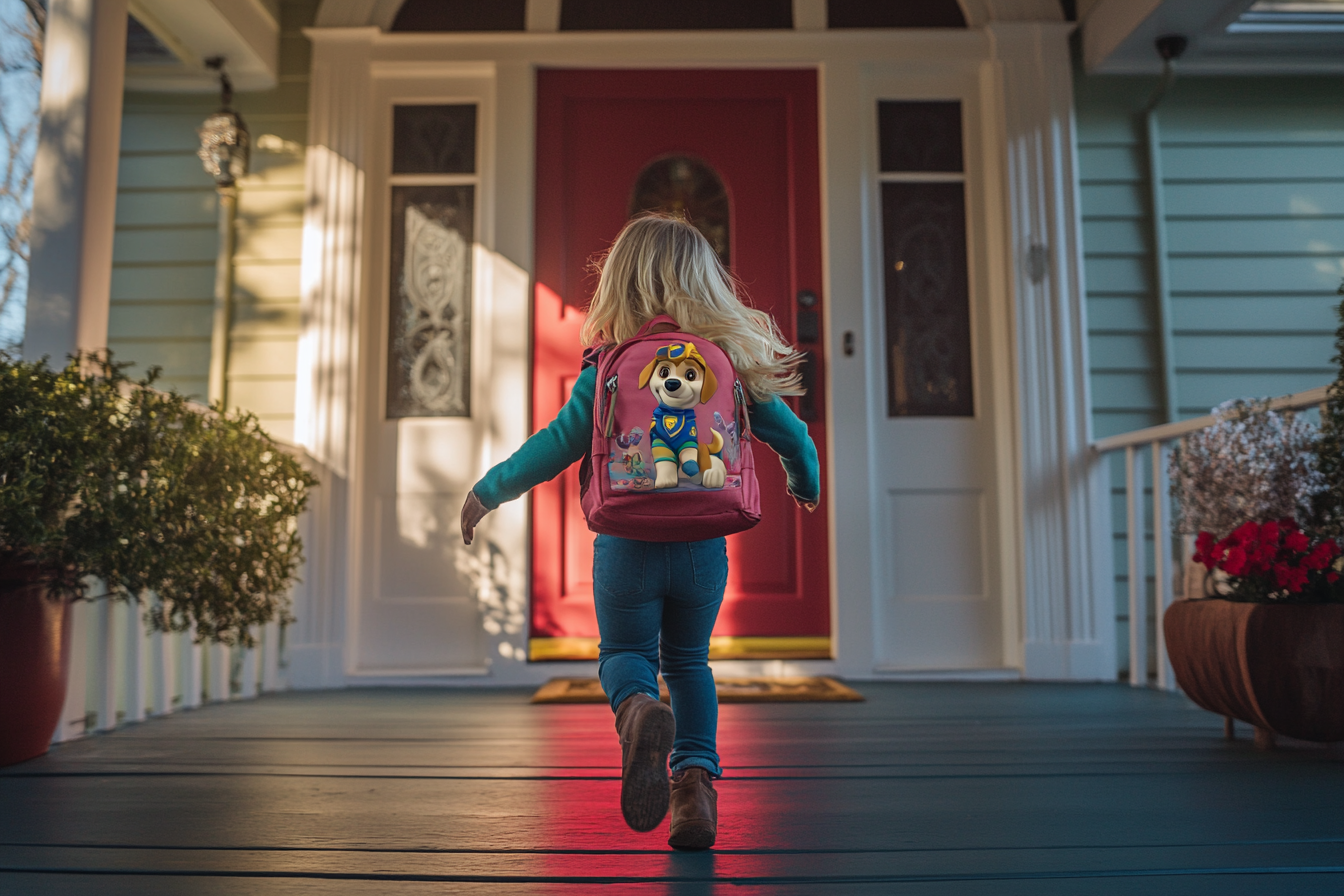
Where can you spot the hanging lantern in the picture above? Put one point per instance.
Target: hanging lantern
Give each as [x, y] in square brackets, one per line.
[224, 137]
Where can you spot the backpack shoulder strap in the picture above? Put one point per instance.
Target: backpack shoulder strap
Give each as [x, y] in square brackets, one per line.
[663, 323]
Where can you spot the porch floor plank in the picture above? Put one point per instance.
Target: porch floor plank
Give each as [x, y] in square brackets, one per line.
[927, 788]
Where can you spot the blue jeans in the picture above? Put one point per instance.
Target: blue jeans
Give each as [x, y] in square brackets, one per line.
[656, 605]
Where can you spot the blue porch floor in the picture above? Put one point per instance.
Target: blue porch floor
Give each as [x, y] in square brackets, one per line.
[924, 789]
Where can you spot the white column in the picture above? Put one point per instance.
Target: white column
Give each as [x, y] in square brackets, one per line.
[332, 280]
[1068, 617]
[75, 177]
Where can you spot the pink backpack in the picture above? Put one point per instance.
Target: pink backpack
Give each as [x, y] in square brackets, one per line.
[671, 455]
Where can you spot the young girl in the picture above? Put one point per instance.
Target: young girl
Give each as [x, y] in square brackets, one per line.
[657, 601]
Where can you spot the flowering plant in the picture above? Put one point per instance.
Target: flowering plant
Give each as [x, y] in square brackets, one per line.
[1274, 561]
[1251, 464]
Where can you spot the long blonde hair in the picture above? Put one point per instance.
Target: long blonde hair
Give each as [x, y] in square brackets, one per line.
[660, 264]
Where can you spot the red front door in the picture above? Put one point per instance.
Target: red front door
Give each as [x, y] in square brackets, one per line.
[755, 133]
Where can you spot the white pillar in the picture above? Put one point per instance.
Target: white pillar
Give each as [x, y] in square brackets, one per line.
[1068, 614]
[332, 282]
[75, 177]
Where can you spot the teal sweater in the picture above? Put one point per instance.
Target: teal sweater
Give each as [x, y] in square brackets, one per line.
[569, 436]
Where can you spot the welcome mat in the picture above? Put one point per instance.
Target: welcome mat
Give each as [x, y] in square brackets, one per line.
[800, 689]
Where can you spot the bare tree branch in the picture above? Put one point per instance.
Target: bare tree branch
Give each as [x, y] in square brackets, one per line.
[20, 69]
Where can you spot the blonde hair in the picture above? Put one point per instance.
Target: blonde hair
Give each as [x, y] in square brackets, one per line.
[660, 264]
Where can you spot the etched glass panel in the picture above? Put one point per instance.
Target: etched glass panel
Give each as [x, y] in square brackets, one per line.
[919, 136]
[928, 312]
[434, 139]
[429, 333]
[686, 186]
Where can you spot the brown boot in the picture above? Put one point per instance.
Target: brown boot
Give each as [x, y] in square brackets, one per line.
[646, 728]
[695, 810]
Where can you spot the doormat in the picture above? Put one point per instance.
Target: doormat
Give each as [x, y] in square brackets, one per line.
[801, 689]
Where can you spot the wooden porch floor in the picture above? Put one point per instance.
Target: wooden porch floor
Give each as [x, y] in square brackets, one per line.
[925, 789]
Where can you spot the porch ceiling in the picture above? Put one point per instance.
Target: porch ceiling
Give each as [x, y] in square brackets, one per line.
[245, 32]
[1118, 38]
[926, 788]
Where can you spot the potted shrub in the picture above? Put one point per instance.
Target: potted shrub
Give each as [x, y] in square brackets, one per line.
[1260, 636]
[105, 479]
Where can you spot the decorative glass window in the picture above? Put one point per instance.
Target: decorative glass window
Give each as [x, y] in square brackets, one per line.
[686, 186]
[433, 229]
[927, 290]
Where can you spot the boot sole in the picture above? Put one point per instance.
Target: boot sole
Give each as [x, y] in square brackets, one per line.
[693, 837]
[645, 791]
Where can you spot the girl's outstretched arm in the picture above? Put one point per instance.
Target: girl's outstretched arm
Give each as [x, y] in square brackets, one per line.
[774, 423]
[543, 456]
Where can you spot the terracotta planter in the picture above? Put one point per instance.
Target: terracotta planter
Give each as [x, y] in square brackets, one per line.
[1279, 667]
[34, 663]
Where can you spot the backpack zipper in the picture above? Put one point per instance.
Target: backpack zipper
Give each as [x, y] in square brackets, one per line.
[740, 410]
[611, 384]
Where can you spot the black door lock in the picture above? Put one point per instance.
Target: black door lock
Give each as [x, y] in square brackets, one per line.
[808, 318]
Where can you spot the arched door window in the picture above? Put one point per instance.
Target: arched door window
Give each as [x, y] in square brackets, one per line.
[686, 186]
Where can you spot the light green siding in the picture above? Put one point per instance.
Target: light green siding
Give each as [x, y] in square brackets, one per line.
[1253, 183]
[167, 238]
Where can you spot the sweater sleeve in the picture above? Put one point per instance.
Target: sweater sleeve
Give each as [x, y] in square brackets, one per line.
[547, 453]
[774, 423]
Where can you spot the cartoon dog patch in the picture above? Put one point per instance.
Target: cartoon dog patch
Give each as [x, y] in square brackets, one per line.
[680, 379]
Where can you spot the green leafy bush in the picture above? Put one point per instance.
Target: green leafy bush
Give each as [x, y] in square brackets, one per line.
[107, 477]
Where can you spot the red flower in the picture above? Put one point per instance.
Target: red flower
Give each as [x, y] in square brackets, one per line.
[1235, 561]
[1205, 545]
[1297, 541]
[1332, 577]
[1247, 531]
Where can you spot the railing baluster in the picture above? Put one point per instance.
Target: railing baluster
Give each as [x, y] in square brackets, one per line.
[1161, 568]
[190, 661]
[250, 678]
[1138, 655]
[161, 673]
[104, 666]
[76, 707]
[270, 657]
[218, 683]
[133, 673]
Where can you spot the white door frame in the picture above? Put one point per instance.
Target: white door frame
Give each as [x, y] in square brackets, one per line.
[1056, 596]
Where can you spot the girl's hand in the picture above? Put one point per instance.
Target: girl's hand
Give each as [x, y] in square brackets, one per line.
[809, 506]
[473, 511]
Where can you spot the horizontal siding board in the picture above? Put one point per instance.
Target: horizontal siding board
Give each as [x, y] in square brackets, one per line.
[1257, 314]
[179, 358]
[1244, 234]
[1127, 275]
[261, 205]
[1255, 352]
[1251, 200]
[262, 281]
[170, 283]
[1112, 236]
[1110, 163]
[1120, 314]
[1125, 391]
[268, 243]
[160, 320]
[162, 169]
[287, 98]
[166, 131]
[1113, 423]
[1122, 352]
[173, 208]
[269, 356]
[1235, 162]
[1114, 200]
[278, 426]
[1198, 392]
[272, 397]
[159, 244]
[256, 319]
[271, 169]
[1235, 275]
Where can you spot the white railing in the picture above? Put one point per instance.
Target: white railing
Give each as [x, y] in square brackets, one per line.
[1165, 561]
[121, 672]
